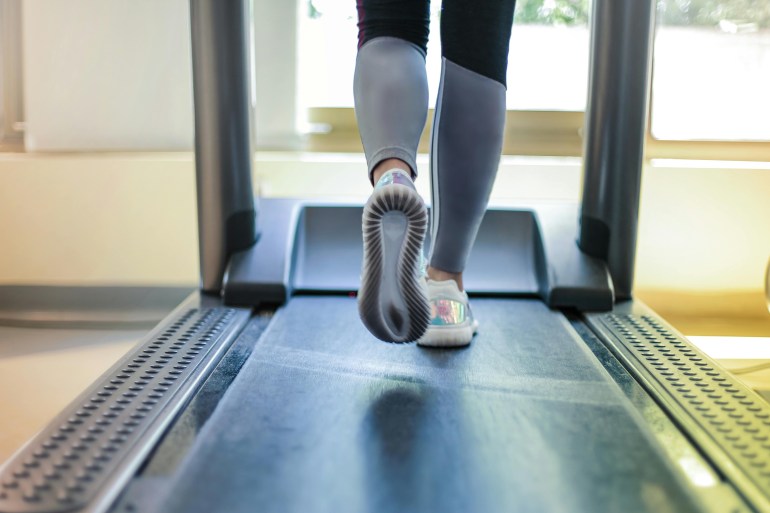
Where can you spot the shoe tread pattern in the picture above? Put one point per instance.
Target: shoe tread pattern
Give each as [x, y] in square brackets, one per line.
[406, 200]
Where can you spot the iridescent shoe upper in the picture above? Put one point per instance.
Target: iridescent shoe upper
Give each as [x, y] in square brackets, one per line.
[448, 306]
[447, 312]
[395, 176]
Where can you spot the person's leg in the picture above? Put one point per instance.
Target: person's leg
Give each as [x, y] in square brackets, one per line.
[390, 86]
[466, 143]
[468, 126]
[391, 99]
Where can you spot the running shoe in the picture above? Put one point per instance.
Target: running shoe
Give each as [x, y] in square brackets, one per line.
[392, 300]
[451, 320]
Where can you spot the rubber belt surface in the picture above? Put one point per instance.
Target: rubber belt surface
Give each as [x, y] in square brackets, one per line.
[325, 418]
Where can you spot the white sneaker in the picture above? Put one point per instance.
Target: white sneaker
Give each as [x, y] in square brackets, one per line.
[392, 300]
[451, 320]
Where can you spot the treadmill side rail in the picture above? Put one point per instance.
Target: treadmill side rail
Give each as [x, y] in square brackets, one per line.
[728, 420]
[261, 274]
[568, 277]
[92, 448]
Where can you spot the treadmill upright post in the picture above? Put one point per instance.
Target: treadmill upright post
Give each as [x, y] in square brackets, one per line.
[615, 129]
[223, 143]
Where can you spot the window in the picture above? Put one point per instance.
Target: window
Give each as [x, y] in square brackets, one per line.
[712, 70]
[554, 32]
[711, 74]
[543, 98]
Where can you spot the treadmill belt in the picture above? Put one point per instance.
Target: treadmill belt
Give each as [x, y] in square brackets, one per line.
[325, 418]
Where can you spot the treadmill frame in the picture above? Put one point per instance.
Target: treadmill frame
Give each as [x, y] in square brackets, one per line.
[636, 338]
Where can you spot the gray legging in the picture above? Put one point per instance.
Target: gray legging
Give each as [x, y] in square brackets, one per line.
[391, 98]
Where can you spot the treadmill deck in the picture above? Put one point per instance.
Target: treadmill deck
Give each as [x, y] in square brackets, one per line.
[301, 409]
[324, 418]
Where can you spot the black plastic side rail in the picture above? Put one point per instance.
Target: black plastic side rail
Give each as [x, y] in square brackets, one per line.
[80, 461]
[729, 421]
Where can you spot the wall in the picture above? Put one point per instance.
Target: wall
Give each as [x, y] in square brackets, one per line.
[704, 226]
[88, 64]
[97, 219]
[130, 218]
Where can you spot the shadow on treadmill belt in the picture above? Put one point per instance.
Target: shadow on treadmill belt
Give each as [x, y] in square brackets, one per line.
[323, 418]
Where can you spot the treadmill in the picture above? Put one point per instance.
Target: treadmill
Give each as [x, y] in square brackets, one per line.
[263, 391]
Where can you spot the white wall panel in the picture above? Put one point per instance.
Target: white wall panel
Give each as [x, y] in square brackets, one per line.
[104, 75]
[130, 218]
[107, 75]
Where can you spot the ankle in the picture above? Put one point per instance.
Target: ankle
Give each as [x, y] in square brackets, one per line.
[388, 164]
[439, 275]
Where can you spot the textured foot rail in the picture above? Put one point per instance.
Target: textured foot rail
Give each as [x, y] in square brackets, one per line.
[727, 419]
[77, 462]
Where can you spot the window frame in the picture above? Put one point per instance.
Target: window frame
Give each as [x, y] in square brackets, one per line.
[11, 77]
[534, 133]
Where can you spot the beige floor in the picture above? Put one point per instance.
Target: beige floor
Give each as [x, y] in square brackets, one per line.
[41, 371]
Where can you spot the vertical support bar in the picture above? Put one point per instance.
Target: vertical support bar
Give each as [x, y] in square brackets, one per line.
[223, 143]
[616, 123]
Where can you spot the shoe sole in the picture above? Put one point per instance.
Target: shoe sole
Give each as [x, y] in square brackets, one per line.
[448, 336]
[392, 303]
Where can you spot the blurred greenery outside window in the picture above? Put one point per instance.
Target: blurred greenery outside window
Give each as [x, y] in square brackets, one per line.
[710, 75]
